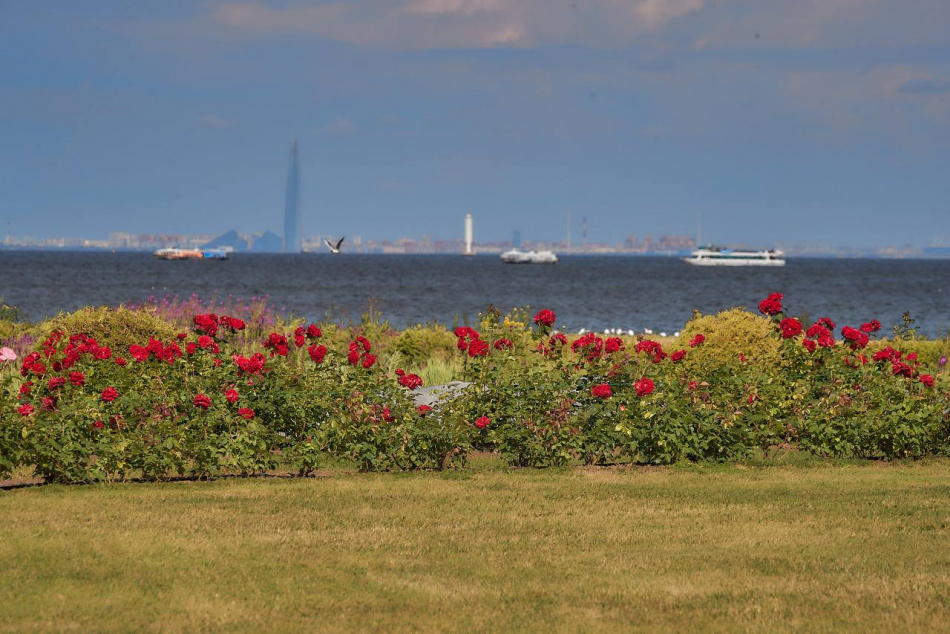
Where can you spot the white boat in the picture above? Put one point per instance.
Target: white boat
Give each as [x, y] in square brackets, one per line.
[716, 256]
[516, 256]
[174, 253]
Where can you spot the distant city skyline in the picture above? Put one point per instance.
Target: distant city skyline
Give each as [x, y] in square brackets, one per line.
[814, 122]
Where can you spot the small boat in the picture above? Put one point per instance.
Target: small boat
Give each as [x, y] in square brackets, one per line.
[716, 256]
[174, 253]
[516, 256]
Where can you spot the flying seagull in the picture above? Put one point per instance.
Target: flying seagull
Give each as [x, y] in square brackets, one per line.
[334, 248]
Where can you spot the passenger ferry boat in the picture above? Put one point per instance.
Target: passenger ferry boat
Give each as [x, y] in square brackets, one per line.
[174, 253]
[516, 256]
[716, 256]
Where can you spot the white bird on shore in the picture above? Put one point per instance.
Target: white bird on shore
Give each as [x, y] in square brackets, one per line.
[647, 331]
[334, 248]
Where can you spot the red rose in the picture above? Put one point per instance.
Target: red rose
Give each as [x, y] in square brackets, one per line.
[98, 424]
[589, 345]
[191, 348]
[313, 332]
[77, 378]
[643, 387]
[181, 336]
[277, 344]
[205, 342]
[887, 354]
[809, 345]
[388, 415]
[109, 394]
[202, 401]
[771, 305]
[503, 343]
[246, 413]
[207, 324]
[299, 340]
[899, 368]
[678, 356]
[545, 318]
[651, 347]
[252, 365]
[871, 326]
[478, 348]
[613, 344]
[120, 361]
[26, 409]
[482, 422]
[857, 339]
[317, 353]
[697, 341]
[368, 360]
[353, 357]
[138, 352]
[826, 322]
[26, 388]
[56, 382]
[231, 395]
[557, 339]
[927, 380]
[411, 381]
[422, 409]
[790, 327]
[602, 391]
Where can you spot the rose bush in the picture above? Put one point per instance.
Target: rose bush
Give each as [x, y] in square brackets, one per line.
[212, 401]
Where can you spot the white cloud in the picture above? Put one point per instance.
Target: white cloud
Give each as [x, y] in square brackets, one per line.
[465, 7]
[454, 24]
[216, 121]
[656, 13]
[341, 125]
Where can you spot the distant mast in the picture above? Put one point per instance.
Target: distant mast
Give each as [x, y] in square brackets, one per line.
[567, 242]
[292, 205]
[468, 235]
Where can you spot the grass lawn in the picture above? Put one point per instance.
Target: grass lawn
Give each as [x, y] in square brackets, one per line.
[828, 547]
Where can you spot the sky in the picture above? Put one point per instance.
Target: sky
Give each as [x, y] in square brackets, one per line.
[775, 121]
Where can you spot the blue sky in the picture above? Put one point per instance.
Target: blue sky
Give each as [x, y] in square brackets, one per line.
[780, 121]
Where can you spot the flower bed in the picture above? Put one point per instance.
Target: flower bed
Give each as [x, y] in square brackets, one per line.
[203, 402]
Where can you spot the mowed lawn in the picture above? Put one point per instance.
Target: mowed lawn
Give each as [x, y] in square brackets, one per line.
[860, 547]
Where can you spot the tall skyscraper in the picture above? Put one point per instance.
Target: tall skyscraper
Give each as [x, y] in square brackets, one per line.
[292, 205]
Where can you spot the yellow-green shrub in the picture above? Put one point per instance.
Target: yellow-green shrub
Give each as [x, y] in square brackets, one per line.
[928, 351]
[729, 334]
[117, 328]
[421, 343]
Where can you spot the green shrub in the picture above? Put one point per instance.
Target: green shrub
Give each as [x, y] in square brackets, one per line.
[422, 343]
[117, 328]
[729, 334]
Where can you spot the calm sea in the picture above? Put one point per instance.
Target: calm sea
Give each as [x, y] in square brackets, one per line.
[586, 292]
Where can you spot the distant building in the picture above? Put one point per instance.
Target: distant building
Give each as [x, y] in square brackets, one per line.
[291, 243]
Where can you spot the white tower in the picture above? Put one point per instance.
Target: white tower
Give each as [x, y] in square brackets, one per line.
[468, 235]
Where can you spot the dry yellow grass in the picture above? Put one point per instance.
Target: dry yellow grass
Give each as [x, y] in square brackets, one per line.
[826, 548]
